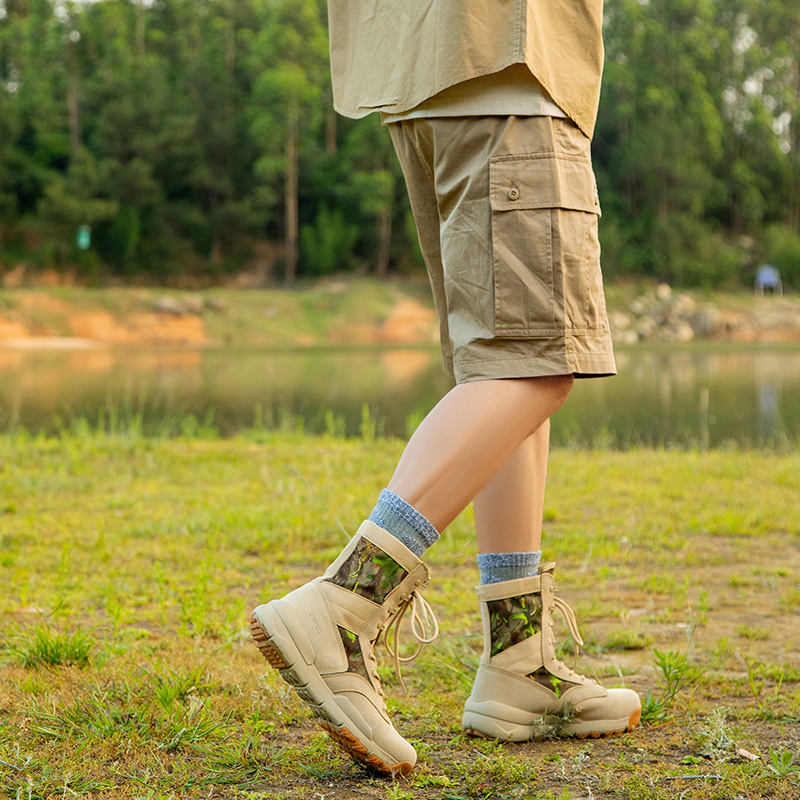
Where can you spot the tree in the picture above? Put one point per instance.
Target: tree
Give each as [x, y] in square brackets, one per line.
[290, 59]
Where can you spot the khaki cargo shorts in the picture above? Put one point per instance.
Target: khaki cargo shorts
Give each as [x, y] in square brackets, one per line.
[506, 211]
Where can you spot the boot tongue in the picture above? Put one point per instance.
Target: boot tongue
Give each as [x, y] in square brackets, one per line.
[549, 568]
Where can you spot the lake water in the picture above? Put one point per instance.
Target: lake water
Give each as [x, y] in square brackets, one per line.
[694, 396]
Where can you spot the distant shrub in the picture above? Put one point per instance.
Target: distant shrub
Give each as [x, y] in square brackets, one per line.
[780, 246]
[327, 245]
[687, 252]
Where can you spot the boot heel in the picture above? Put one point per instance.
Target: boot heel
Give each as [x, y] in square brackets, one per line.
[268, 650]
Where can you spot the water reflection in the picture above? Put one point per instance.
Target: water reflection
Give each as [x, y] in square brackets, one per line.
[685, 397]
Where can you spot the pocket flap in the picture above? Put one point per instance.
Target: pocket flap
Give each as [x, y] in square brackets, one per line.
[543, 181]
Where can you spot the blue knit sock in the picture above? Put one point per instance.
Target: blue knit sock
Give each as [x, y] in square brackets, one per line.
[404, 522]
[497, 567]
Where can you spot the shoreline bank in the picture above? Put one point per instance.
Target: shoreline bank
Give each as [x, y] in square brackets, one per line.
[348, 312]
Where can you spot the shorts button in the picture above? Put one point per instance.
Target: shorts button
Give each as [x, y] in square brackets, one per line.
[513, 193]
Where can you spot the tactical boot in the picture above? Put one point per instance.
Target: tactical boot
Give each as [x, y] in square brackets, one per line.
[322, 637]
[521, 687]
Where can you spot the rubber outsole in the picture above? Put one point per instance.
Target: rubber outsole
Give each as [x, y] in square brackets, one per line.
[340, 734]
[633, 721]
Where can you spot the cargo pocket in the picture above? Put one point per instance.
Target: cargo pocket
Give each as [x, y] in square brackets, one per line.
[544, 224]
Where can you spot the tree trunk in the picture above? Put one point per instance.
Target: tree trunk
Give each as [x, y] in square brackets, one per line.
[793, 206]
[737, 210]
[73, 103]
[330, 132]
[384, 241]
[291, 213]
[140, 22]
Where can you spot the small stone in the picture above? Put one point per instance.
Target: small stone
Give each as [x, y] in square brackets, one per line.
[193, 303]
[168, 305]
[683, 332]
[216, 304]
[683, 305]
[638, 307]
[619, 321]
[663, 292]
[646, 327]
[706, 322]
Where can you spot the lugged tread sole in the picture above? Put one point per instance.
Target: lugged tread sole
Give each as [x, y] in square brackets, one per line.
[341, 736]
[359, 753]
[265, 646]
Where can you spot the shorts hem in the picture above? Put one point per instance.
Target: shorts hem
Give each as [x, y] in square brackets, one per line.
[581, 365]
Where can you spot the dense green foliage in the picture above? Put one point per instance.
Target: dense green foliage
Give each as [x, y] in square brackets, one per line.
[698, 141]
[199, 137]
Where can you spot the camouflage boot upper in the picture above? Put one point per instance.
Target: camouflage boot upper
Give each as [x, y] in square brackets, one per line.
[373, 574]
[512, 620]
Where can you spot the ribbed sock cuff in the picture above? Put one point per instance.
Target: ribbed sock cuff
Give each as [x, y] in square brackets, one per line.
[404, 522]
[498, 567]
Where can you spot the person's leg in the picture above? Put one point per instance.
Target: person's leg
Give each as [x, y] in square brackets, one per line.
[468, 438]
[456, 452]
[509, 509]
[521, 687]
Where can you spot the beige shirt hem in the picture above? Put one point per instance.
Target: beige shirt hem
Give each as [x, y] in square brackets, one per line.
[512, 91]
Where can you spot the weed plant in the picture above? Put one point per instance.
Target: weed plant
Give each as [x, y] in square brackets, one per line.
[676, 675]
[715, 739]
[782, 763]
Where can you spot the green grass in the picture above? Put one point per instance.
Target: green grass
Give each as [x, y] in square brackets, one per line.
[128, 566]
[42, 647]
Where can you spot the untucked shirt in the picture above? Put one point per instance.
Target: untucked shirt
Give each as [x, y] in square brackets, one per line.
[392, 55]
[513, 90]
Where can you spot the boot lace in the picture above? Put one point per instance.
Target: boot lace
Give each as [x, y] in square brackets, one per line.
[423, 625]
[572, 625]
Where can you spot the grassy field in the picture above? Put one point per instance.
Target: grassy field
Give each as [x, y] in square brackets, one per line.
[128, 566]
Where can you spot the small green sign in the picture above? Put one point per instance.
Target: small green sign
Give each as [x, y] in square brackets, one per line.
[84, 237]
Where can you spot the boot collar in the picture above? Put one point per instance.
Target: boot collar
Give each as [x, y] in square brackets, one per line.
[516, 587]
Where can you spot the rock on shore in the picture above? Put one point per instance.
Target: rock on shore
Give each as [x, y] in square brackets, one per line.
[663, 315]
